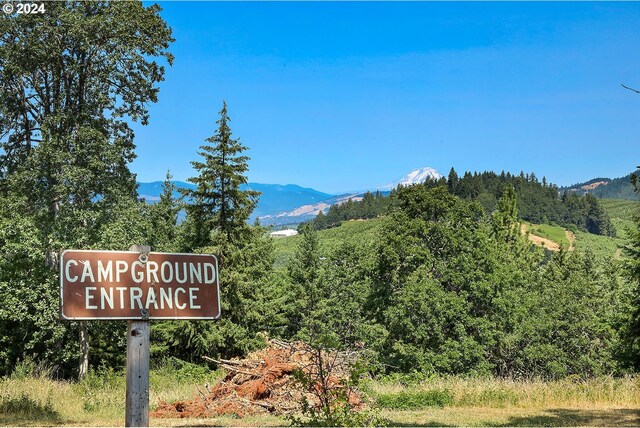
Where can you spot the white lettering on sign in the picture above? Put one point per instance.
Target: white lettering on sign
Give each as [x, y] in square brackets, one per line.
[105, 273]
[184, 270]
[195, 271]
[192, 298]
[152, 268]
[178, 305]
[90, 296]
[151, 299]
[87, 272]
[132, 298]
[121, 267]
[66, 271]
[104, 297]
[121, 290]
[136, 296]
[164, 268]
[182, 273]
[137, 276]
[209, 274]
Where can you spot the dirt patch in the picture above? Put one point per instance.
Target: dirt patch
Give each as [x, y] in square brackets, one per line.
[263, 382]
[594, 185]
[540, 241]
[571, 237]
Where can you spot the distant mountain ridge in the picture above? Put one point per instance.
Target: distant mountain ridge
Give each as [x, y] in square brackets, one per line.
[605, 188]
[291, 204]
[274, 197]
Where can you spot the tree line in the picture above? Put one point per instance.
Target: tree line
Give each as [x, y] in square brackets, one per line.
[538, 201]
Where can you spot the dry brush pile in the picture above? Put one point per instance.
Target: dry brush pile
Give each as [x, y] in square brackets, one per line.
[266, 382]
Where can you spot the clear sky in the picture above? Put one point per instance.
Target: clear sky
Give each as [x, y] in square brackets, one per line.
[345, 96]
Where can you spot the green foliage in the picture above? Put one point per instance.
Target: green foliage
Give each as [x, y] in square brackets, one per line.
[163, 218]
[218, 204]
[371, 206]
[505, 218]
[217, 212]
[415, 400]
[632, 270]
[537, 202]
[71, 81]
[618, 188]
[332, 405]
[363, 234]
[443, 293]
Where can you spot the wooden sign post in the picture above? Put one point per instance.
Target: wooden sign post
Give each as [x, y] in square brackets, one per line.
[138, 344]
[138, 286]
[137, 404]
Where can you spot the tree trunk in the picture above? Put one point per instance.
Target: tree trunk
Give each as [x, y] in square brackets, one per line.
[83, 368]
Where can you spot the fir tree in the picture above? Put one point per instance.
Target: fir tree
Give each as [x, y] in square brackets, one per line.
[452, 181]
[219, 205]
[632, 265]
[505, 219]
[164, 217]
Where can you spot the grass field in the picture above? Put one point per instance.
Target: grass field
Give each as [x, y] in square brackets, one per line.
[451, 401]
[554, 233]
[366, 231]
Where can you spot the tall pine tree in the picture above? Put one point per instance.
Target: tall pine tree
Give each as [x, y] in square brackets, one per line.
[219, 207]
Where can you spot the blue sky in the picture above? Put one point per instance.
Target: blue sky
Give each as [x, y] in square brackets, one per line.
[345, 96]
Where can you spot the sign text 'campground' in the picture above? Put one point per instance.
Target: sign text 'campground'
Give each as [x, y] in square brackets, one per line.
[130, 285]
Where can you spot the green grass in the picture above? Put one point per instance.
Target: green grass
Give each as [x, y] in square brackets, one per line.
[498, 393]
[365, 232]
[413, 400]
[554, 233]
[99, 399]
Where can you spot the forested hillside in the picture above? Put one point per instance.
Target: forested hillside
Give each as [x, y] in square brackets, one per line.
[538, 202]
[618, 188]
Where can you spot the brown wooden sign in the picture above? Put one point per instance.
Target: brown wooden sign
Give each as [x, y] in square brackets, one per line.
[110, 285]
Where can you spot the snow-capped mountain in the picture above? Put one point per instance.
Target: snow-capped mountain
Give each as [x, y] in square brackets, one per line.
[309, 211]
[416, 176]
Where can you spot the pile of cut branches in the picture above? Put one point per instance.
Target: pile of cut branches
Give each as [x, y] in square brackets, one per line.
[266, 382]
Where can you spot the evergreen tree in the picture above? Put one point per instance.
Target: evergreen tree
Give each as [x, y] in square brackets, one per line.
[217, 213]
[164, 218]
[452, 181]
[304, 272]
[632, 250]
[505, 218]
[218, 204]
